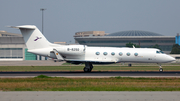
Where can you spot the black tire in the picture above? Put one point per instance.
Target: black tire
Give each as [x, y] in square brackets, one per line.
[86, 70]
[160, 70]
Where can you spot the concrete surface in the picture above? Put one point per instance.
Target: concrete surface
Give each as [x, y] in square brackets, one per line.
[91, 74]
[88, 96]
[31, 63]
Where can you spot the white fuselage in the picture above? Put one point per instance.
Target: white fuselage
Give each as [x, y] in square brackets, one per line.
[97, 54]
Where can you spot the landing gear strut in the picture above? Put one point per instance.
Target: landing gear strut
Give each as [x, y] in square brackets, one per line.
[160, 68]
[88, 67]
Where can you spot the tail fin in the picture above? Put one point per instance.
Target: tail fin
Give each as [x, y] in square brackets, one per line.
[33, 38]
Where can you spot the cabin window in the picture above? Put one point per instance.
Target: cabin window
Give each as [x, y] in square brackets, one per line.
[105, 53]
[136, 54]
[120, 53]
[112, 53]
[128, 54]
[97, 53]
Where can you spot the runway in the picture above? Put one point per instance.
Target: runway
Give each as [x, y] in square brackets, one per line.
[91, 74]
[89, 96]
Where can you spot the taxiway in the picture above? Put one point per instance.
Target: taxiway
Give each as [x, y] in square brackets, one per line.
[91, 74]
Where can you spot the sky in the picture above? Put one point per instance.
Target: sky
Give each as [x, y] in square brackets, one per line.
[63, 18]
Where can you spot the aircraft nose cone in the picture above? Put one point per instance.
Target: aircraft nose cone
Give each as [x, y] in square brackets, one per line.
[172, 58]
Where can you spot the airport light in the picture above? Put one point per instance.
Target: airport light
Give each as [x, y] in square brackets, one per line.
[42, 9]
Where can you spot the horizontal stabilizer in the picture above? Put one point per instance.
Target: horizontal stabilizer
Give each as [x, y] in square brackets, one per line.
[23, 27]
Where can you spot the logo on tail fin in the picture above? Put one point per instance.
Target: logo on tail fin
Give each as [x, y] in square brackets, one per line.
[37, 38]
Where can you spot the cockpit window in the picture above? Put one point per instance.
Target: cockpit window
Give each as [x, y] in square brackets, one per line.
[158, 52]
[162, 52]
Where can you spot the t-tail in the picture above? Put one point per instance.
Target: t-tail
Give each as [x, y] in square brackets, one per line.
[33, 38]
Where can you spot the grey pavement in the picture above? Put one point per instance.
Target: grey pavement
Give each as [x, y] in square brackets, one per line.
[89, 96]
[31, 63]
[93, 74]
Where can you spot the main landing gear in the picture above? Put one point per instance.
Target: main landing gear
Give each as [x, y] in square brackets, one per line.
[160, 68]
[88, 67]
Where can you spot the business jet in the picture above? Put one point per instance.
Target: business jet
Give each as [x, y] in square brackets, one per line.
[77, 54]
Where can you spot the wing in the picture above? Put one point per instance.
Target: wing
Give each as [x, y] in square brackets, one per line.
[73, 61]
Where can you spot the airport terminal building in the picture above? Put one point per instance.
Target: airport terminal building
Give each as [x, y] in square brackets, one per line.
[144, 39]
[13, 48]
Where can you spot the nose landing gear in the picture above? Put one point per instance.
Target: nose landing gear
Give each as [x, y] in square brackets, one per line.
[160, 68]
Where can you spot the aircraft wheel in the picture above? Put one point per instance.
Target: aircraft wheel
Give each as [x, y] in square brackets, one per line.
[160, 70]
[87, 70]
[129, 65]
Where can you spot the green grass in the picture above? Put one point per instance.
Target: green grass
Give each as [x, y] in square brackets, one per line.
[80, 68]
[90, 84]
[43, 76]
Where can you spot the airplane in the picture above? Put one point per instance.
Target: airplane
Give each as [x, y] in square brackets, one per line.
[77, 54]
